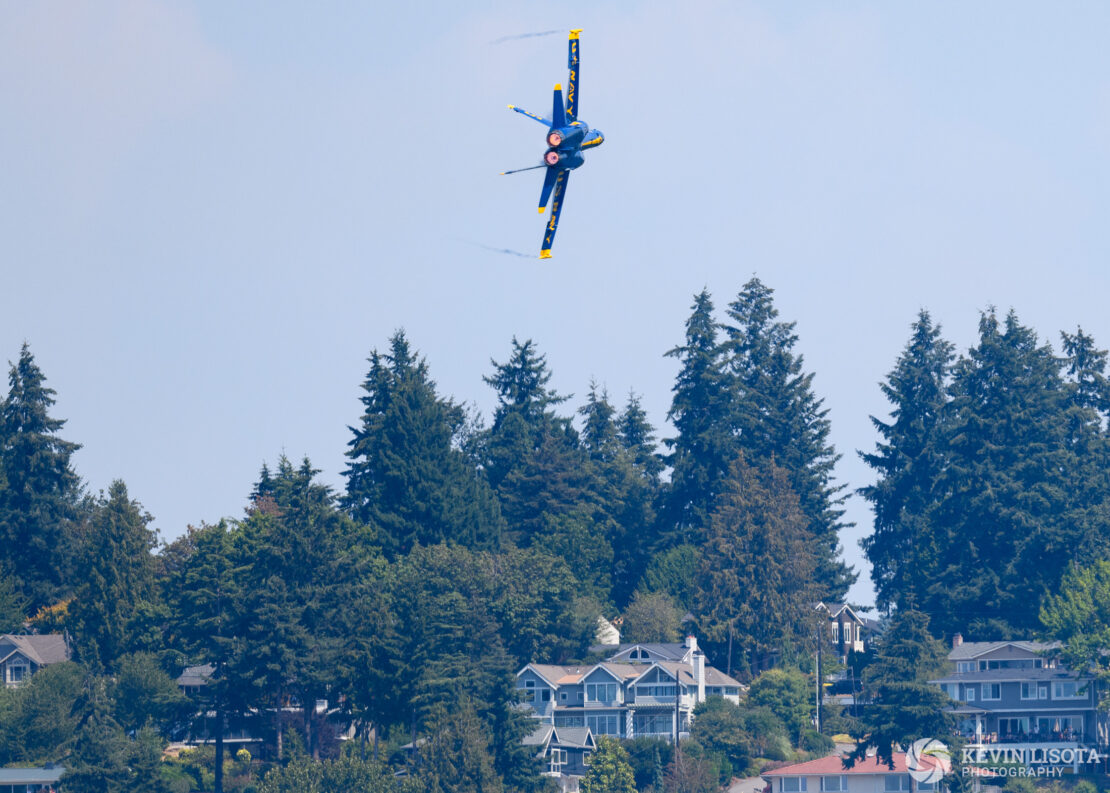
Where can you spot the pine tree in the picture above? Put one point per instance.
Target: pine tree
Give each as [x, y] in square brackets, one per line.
[621, 496]
[599, 428]
[776, 417]
[1005, 517]
[533, 457]
[754, 588]
[908, 460]
[901, 704]
[304, 561]
[118, 578]
[457, 757]
[39, 490]
[638, 437]
[205, 625]
[702, 450]
[406, 474]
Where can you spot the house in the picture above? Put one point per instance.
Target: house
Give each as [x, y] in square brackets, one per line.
[1018, 694]
[566, 751]
[26, 780]
[640, 690]
[828, 775]
[845, 629]
[21, 655]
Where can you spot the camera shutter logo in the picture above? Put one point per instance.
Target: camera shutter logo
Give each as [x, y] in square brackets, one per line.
[928, 760]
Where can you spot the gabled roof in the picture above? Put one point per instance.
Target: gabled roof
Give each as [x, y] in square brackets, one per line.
[580, 737]
[969, 650]
[42, 649]
[834, 764]
[667, 651]
[835, 609]
[540, 736]
[684, 673]
[621, 672]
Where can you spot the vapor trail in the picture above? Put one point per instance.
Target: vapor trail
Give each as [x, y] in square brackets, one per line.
[506, 251]
[503, 39]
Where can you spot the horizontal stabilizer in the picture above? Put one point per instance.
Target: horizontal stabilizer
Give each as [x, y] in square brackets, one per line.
[532, 116]
[529, 168]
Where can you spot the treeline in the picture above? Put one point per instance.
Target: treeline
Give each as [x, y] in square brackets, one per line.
[993, 476]
[460, 550]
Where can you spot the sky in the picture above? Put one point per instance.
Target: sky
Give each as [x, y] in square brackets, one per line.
[211, 213]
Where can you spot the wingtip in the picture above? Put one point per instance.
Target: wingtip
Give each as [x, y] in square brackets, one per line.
[558, 86]
[542, 209]
[512, 107]
[574, 33]
[545, 254]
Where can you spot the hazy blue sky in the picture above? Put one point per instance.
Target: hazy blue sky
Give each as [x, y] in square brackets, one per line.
[210, 213]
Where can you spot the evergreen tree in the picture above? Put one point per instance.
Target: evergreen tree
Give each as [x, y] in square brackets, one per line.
[305, 561]
[101, 751]
[1086, 366]
[638, 437]
[901, 704]
[1006, 518]
[754, 586]
[39, 490]
[117, 581]
[776, 417]
[622, 491]
[533, 457]
[206, 597]
[406, 474]
[908, 460]
[456, 757]
[702, 450]
[599, 428]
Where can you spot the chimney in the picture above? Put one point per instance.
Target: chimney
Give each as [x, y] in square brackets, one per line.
[957, 640]
[692, 643]
[699, 672]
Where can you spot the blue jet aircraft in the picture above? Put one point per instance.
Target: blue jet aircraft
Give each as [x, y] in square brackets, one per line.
[567, 138]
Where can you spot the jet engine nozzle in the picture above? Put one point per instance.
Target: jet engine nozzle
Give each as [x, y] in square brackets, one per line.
[554, 138]
[551, 157]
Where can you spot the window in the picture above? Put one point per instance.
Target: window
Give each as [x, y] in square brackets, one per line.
[834, 630]
[653, 723]
[1067, 690]
[952, 690]
[558, 758]
[16, 674]
[545, 695]
[834, 784]
[562, 696]
[601, 692]
[925, 787]
[663, 692]
[602, 725]
[992, 691]
[793, 784]
[965, 666]
[969, 694]
[1034, 691]
[569, 721]
[896, 783]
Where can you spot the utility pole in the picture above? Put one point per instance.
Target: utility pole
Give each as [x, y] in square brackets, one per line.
[818, 694]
